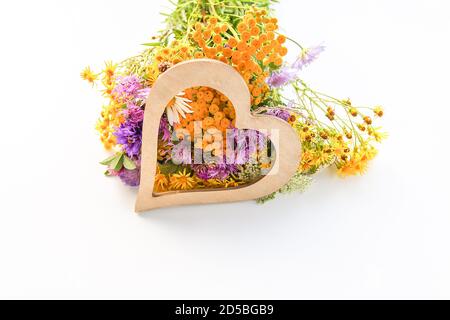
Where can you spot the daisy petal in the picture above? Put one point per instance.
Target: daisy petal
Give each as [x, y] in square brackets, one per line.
[176, 117]
[170, 115]
[180, 110]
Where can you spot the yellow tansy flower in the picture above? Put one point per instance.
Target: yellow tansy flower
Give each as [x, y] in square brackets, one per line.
[88, 75]
[182, 181]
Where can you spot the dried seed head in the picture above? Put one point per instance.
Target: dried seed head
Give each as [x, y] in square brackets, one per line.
[164, 66]
[378, 111]
[330, 111]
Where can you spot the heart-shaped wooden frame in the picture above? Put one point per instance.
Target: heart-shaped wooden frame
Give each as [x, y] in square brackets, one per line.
[224, 78]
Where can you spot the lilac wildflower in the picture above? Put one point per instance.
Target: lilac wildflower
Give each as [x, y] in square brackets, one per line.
[142, 94]
[307, 57]
[214, 171]
[131, 178]
[129, 135]
[289, 73]
[164, 131]
[134, 113]
[282, 77]
[182, 153]
[279, 113]
[129, 89]
[242, 145]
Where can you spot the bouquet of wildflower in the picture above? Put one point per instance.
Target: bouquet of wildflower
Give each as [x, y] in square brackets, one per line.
[333, 132]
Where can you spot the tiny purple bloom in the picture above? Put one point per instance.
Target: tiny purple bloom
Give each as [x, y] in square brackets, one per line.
[164, 131]
[289, 73]
[307, 57]
[129, 135]
[279, 113]
[282, 77]
[142, 94]
[244, 144]
[134, 113]
[214, 171]
[129, 89]
[182, 153]
[131, 178]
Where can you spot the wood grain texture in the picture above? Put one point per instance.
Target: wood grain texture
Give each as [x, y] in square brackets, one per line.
[224, 78]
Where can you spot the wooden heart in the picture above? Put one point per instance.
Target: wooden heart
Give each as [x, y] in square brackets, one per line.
[224, 78]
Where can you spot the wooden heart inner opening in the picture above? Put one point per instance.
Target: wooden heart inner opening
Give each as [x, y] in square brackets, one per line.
[200, 148]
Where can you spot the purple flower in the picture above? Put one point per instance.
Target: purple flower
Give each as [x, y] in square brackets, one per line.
[142, 94]
[129, 89]
[290, 73]
[307, 57]
[129, 134]
[134, 113]
[282, 77]
[243, 144]
[182, 153]
[164, 131]
[131, 178]
[279, 113]
[214, 171]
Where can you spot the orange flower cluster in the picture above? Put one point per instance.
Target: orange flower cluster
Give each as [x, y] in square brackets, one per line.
[175, 53]
[214, 110]
[253, 49]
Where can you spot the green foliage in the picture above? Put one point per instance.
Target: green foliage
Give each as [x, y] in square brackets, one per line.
[187, 12]
[118, 161]
[298, 183]
[171, 168]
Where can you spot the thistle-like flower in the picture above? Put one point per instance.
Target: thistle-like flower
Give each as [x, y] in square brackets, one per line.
[307, 56]
[290, 73]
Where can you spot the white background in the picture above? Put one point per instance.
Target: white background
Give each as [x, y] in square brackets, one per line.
[68, 232]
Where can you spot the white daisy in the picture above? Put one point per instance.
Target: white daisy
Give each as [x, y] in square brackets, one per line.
[176, 107]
